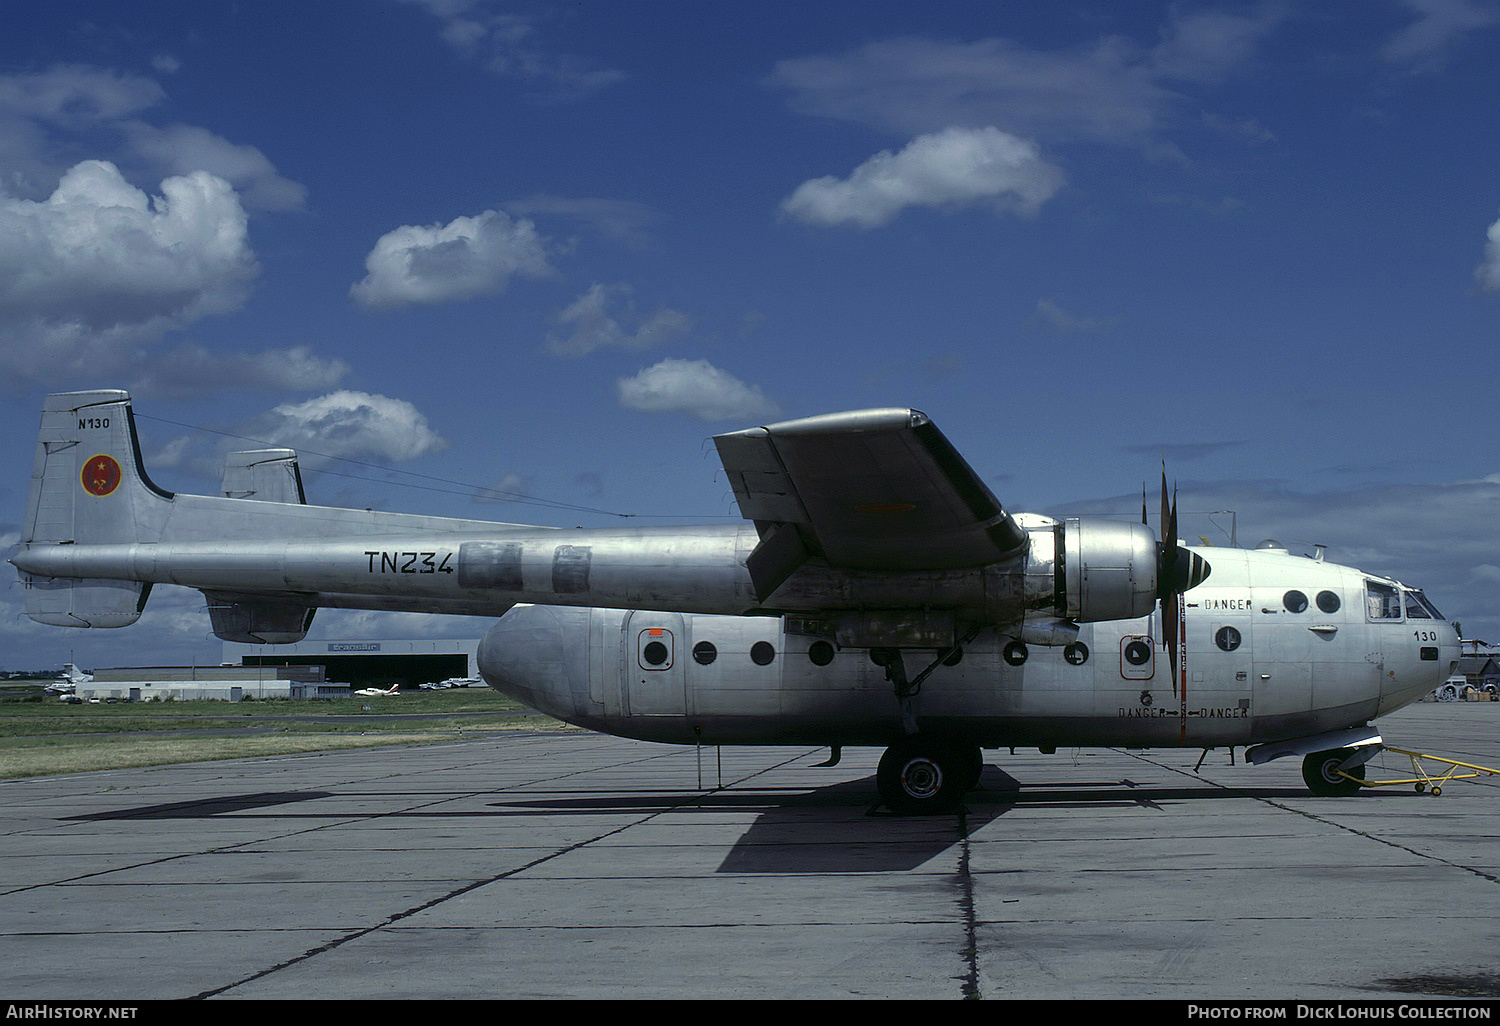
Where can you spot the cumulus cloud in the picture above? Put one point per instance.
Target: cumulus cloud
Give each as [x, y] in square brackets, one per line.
[696, 387]
[1488, 273]
[954, 167]
[465, 258]
[351, 425]
[45, 113]
[99, 267]
[598, 320]
[180, 149]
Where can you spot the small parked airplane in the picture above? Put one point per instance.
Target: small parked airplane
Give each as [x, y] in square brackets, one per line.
[72, 676]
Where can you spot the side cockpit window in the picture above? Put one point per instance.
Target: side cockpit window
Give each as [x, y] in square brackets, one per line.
[1382, 601]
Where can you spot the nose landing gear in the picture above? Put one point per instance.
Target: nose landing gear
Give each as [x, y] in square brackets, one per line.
[1335, 773]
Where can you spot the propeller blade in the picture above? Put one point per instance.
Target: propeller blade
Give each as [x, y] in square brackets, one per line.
[1170, 620]
[1178, 570]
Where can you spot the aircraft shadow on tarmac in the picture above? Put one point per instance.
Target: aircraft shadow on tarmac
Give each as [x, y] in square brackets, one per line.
[802, 831]
[840, 827]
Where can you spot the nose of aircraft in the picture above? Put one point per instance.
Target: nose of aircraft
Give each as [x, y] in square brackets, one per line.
[1403, 683]
[538, 655]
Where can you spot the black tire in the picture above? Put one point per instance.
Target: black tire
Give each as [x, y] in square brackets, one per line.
[921, 775]
[1321, 772]
[971, 765]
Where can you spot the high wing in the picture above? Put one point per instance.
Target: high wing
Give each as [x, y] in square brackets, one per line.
[878, 490]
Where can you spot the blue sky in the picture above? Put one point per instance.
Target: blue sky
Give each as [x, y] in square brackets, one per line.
[552, 248]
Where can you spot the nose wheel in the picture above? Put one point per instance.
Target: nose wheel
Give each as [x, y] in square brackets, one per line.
[922, 775]
[1325, 772]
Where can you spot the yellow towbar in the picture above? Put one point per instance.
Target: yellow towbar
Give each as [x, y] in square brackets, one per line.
[1421, 779]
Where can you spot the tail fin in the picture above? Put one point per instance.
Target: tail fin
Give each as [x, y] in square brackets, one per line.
[88, 487]
[267, 475]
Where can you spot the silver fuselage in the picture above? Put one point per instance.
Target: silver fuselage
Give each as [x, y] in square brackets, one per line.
[1258, 664]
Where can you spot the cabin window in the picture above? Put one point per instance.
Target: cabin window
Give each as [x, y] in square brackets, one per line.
[704, 653]
[762, 652]
[1227, 638]
[653, 649]
[821, 653]
[1294, 601]
[1077, 653]
[1382, 601]
[1329, 601]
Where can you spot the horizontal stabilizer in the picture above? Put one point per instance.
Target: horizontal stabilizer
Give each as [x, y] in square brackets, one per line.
[83, 602]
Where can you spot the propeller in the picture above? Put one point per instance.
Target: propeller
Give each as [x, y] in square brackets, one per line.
[1178, 570]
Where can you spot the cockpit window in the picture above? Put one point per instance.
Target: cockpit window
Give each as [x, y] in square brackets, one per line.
[1382, 601]
[1418, 607]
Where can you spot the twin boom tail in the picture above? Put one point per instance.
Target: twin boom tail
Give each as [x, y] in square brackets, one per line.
[99, 534]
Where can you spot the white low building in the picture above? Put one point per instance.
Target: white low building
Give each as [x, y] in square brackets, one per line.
[213, 683]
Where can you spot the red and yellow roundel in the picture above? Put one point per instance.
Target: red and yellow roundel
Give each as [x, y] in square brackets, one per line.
[101, 475]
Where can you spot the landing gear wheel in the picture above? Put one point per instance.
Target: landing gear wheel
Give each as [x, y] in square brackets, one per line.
[970, 760]
[1321, 772]
[920, 775]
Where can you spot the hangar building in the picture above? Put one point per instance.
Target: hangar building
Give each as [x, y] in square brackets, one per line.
[376, 663]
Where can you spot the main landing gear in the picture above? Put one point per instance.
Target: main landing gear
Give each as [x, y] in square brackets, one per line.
[922, 774]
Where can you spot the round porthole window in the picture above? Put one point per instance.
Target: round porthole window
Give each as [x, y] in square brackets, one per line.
[821, 653]
[762, 652]
[1137, 653]
[1294, 601]
[1077, 653]
[1015, 653]
[1228, 638]
[1328, 601]
[704, 653]
[654, 653]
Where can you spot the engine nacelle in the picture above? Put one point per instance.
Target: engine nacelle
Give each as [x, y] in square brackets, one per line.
[1100, 569]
